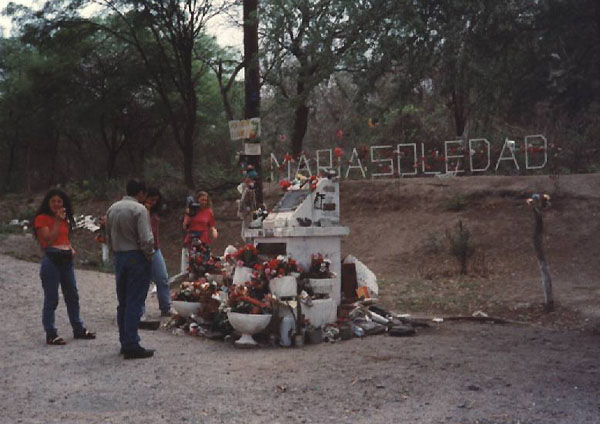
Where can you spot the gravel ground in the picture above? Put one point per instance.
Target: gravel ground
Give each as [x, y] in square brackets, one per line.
[451, 373]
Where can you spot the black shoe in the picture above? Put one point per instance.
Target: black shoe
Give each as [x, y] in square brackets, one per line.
[149, 325]
[85, 334]
[139, 353]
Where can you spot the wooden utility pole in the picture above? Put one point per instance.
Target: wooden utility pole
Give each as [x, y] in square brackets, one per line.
[539, 202]
[252, 81]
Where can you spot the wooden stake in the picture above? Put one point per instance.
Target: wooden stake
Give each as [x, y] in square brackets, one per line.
[538, 203]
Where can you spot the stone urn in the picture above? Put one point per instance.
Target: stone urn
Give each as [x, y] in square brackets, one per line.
[248, 325]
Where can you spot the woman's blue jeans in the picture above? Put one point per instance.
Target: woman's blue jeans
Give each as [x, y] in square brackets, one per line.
[52, 276]
[161, 279]
[132, 273]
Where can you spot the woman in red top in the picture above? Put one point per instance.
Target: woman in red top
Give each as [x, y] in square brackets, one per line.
[53, 224]
[200, 223]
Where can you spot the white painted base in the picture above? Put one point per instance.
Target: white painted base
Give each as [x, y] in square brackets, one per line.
[321, 312]
[246, 340]
[301, 247]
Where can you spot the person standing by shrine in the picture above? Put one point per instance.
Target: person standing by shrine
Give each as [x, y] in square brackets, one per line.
[130, 238]
[53, 224]
[198, 222]
[160, 276]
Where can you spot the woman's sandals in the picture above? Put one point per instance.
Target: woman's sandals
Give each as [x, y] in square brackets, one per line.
[55, 340]
[59, 341]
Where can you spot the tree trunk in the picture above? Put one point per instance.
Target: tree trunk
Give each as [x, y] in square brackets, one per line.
[300, 126]
[252, 80]
[188, 161]
[189, 131]
[539, 251]
[459, 112]
[191, 107]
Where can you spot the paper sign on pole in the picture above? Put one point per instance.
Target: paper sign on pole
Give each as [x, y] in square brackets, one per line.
[246, 128]
[252, 149]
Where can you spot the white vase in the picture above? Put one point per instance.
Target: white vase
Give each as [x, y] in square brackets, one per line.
[286, 286]
[185, 309]
[248, 325]
[242, 274]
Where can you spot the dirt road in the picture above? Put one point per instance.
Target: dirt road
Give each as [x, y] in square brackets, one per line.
[451, 373]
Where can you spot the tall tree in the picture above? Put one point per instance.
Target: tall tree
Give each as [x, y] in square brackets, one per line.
[471, 54]
[304, 42]
[176, 27]
[164, 34]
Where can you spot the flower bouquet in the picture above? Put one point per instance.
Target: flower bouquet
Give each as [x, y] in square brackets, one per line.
[246, 256]
[299, 183]
[201, 262]
[281, 266]
[247, 299]
[281, 273]
[319, 267]
[196, 297]
[248, 315]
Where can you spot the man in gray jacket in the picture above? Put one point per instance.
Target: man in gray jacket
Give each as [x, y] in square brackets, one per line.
[130, 238]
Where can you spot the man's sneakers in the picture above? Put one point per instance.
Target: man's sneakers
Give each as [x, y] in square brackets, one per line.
[137, 353]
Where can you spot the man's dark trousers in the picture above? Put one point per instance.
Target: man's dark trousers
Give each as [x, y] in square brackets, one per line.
[133, 272]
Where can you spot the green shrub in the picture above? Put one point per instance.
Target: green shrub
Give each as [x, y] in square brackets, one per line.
[432, 245]
[461, 246]
[455, 203]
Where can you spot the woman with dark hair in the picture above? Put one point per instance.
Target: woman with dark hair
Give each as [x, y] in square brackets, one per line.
[53, 224]
[160, 277]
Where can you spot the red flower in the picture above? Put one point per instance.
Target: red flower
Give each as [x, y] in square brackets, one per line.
[285, 184]
[338, 152]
